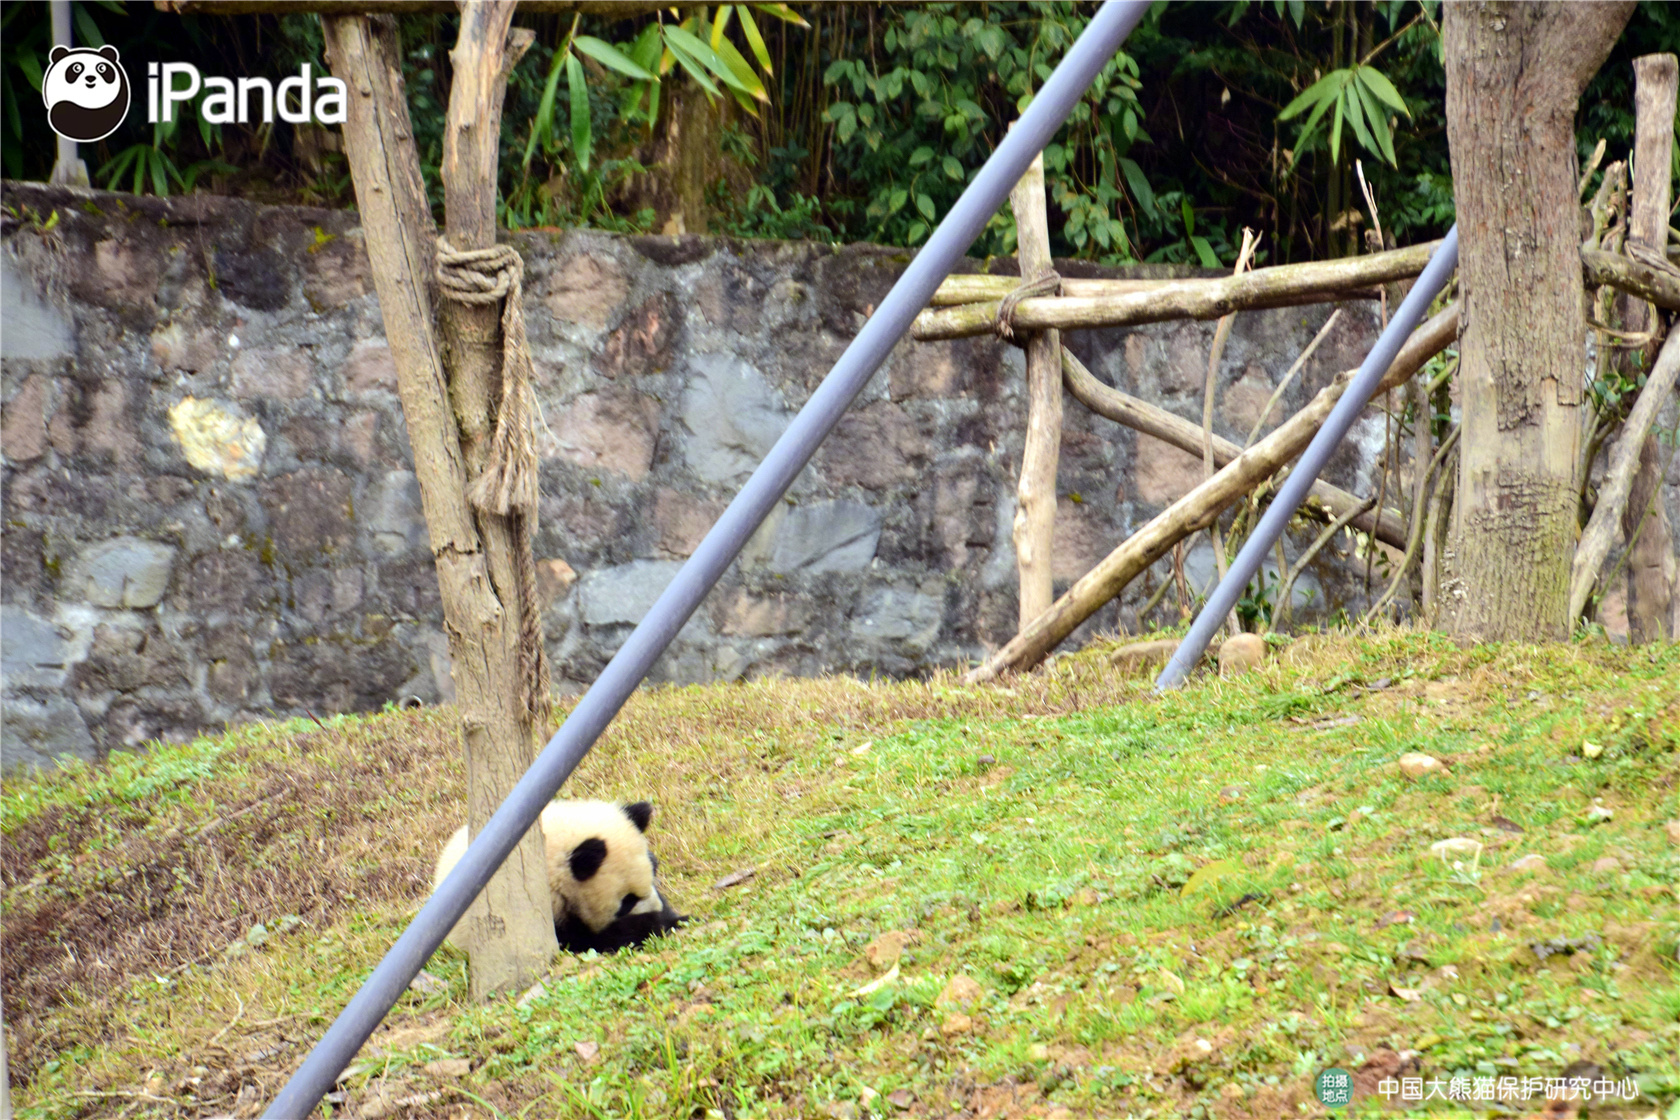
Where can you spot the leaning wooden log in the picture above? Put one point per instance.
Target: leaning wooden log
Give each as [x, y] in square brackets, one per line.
[1199, 507]
[1652, 278]
[1287, 285]
[1603, 526]
[1141, 416]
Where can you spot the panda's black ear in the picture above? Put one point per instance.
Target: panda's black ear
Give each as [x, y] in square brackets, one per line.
[587, 857]
[57, 53]
[641, 814]
[108, 53]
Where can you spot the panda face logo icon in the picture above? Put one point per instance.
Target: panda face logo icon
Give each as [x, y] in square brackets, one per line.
[86, 92]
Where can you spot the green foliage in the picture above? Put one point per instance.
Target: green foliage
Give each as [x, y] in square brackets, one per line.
[915, 122]
[1363, 97]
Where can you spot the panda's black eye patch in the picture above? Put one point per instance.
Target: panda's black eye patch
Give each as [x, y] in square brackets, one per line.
[587, 857]
[74, 71]
[104, 71]
[627, 905]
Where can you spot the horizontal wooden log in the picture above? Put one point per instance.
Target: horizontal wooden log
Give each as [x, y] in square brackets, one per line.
[1289, 285]
[1643, 279]
[1141, 416]
[1198, 508]
[973, 287]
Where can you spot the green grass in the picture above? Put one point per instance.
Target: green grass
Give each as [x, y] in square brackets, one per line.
[1185, 906]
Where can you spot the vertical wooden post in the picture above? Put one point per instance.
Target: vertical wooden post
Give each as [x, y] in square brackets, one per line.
[1035, 493]
[1651, 561]
[510, 929]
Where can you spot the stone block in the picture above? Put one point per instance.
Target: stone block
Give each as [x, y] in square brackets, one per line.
[37, 736]
[683, 520]
[586, 290]
[282, 375]
[746, 615]
[875, 447]
[1243, 402]
[231, 674]
[35, 329]
[259, 278]
[733, 415]
[397, 526]
[615, 429]
[1078, 541]
[370, 368]
[624, 594]
[126, 657]
[309, 512]
[838, 536]
[898, 614]
[23, 420]
[1161, 473]
[230, 581]
[554, 578]
[929, 369]
[337, 273]
[218, 439]
[180, 346]
[645, 342]
[338, 674]
[34, 653]
[121, 572]
[361, 436]
[92, 421]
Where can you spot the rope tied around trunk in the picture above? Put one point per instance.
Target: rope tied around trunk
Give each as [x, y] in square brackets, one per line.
[508, 485]
[1046, 283]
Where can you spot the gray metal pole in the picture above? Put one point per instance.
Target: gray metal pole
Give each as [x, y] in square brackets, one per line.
[68, 170]
[1085, 59]
[1305, 473]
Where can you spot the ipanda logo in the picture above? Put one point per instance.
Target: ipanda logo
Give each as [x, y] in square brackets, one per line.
[86, 92]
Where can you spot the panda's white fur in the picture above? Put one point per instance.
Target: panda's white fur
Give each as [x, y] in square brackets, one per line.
[600, 874]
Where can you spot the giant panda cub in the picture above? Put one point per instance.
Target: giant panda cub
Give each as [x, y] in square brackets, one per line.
[600, 872]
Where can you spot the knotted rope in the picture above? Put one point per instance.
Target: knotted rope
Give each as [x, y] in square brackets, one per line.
[508, 485]
[1046, 283]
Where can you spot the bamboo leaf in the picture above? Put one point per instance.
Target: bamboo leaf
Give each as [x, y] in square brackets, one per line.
[1336, 133]
[1322, 90]
[1297, 12]
[544, 120]
[579, 93]
[689, 63]
[1377, 116]
[1377, 82]
[703, 55]
[1204, 251]
[1355, 114]
[742, 69]
[718, 24]
[783, 13]
[610, 56]
[749, 28]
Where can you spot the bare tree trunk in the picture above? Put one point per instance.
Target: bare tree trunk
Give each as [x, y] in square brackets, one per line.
[397, 222]
[1035, 493]
[1651, 560]
[510, 929]
[1515, 72]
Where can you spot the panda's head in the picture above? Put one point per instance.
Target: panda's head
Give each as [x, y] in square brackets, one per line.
[602, 873]
[85, 91]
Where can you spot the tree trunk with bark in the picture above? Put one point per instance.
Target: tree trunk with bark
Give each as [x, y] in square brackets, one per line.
[509, 930]
[1645, 529]
[1515, 72]
[1035, 493]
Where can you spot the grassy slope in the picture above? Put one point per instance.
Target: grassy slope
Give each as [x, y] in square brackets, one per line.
[1175, 907]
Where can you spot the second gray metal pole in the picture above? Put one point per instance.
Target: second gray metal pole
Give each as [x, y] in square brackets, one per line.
[1305, 473]
[991, 185]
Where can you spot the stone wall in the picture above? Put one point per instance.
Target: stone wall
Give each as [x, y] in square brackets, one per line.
[210, 513]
